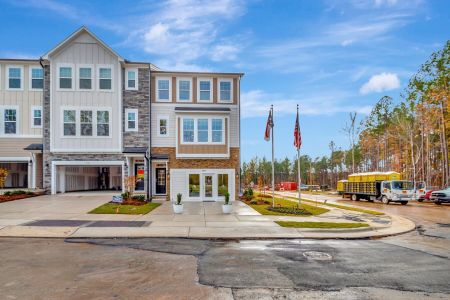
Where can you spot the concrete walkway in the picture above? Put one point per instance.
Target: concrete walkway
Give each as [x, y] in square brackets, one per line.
[199, 220]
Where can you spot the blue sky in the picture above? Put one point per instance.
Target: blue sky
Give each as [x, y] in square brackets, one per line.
[330, 57]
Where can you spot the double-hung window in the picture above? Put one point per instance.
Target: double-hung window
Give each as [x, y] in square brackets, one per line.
[225, 90]
[131, 120]
[131, 79]
[86, 122]
[65, 78]
[204, 90]
[102, 123]
[217, 130]
[70, 122]
[163, 90]
[85, 78]
[202, 130]
[36, 117]
[105, 78]
[37, 78]
[163, 126]
[188, 130]
[15, 77]
[10, 121]
[184, 89]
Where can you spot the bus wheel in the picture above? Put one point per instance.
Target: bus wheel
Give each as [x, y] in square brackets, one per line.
[385, 200]
[355, 197]
[404, 202]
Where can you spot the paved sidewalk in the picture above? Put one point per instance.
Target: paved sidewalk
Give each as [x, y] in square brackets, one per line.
[199, 220]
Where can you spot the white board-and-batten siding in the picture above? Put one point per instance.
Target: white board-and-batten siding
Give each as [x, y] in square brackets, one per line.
[85, 50]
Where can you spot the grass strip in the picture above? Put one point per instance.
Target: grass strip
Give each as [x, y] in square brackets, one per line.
[114, 208]
[293, 224]
[308, 210]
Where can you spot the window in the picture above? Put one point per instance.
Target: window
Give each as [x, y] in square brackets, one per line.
[225, 90]
[184, 89]
[204, 90]
[164, 90]
[222, 184]
[163, 125]
[194, 185]
[36, 117]
[130, 78]
[85, 78]
[131, 119]
[102, 123]
[188, 130]
[86, 122]
[70, 125]
[105, 78]
[65, 78]
[10, 117]
[15, 74]
[217, 131]
[37, 78]
[202, 130]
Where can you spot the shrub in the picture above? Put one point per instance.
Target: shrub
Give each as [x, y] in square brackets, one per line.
[139, 198]
[7, 193]
[30, 193]
[289, 210]
[179, 196]
[250, 193]
[125, 195]
[3, 175]
[18, 192]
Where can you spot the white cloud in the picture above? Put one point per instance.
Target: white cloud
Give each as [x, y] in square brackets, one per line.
[256, 103]
[380, 82]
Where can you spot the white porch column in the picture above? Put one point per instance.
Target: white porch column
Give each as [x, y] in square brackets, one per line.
[62, 178]
[33, 178]
[29, 174]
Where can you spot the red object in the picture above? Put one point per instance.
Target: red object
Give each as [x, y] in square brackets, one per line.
[269, 126]
[297, 134]
[288, 186]
[427, 195]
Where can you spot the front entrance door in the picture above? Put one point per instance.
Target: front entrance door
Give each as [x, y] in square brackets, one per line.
[139, 173]
[208, 188]
[160, 181]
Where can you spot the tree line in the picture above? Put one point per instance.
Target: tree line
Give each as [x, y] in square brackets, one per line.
[409, 135]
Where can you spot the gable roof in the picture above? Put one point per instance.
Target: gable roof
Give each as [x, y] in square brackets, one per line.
[73, 36]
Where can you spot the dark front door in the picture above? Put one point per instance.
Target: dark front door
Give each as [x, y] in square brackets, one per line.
[139, 171]
[160, 180]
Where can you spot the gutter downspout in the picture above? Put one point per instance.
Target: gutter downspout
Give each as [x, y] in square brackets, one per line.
[149, 158]
[43, 125]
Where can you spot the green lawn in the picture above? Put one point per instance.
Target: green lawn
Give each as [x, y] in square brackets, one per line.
[309, 209]
[320, 224]
[114, 208]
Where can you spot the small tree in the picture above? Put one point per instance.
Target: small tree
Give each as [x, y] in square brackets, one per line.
[3, 175]
[130, 184]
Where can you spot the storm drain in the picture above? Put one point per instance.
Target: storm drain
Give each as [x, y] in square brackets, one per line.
[118, 224]
[57, 223]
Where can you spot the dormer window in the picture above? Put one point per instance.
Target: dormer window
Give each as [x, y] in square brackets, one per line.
[131, 79]
[105, 78]
[65, 78]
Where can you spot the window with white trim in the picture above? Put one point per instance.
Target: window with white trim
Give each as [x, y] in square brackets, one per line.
[188, 130]
[225, 90]
[36, 78]
[102, 123]
[184, 89]
[217, 130]
[131, 120]
[163, 126]
[36, 117]
[131, 76]
[202, 130]
[163, 90]
[204, 90]
[105, 78]
[10, 121]
[85, 78]
[70, 122]
[222, 185]
[65, 77]
[15, 77]
[86, 122]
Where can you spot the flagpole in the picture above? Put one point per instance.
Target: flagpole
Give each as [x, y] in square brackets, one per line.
[273, 163]
[299, 171]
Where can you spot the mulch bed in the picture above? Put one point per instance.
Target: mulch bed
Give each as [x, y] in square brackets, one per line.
[4, 198]
[133, 202]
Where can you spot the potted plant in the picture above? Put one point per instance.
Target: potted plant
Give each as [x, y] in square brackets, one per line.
[227, 207]
[178, 205]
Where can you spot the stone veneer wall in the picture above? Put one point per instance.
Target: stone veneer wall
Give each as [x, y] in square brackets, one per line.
[139, 100]
[178, 163]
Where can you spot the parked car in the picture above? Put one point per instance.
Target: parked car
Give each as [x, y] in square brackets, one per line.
[425, 196]
[442, 196]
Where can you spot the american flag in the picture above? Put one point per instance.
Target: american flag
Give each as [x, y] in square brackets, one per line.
[269, 126]
[297, 134]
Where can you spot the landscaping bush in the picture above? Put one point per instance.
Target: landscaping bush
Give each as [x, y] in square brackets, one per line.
[138, 197]
[30, 193]
[289, 210]
[18, 192]
[7, 193]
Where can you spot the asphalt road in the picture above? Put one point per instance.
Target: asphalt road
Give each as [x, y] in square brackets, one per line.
[199, 269]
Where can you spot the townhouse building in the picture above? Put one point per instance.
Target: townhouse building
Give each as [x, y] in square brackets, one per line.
[87, 119]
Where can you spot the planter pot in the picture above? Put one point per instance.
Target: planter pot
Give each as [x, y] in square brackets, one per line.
[178, 209]
[227, 208]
